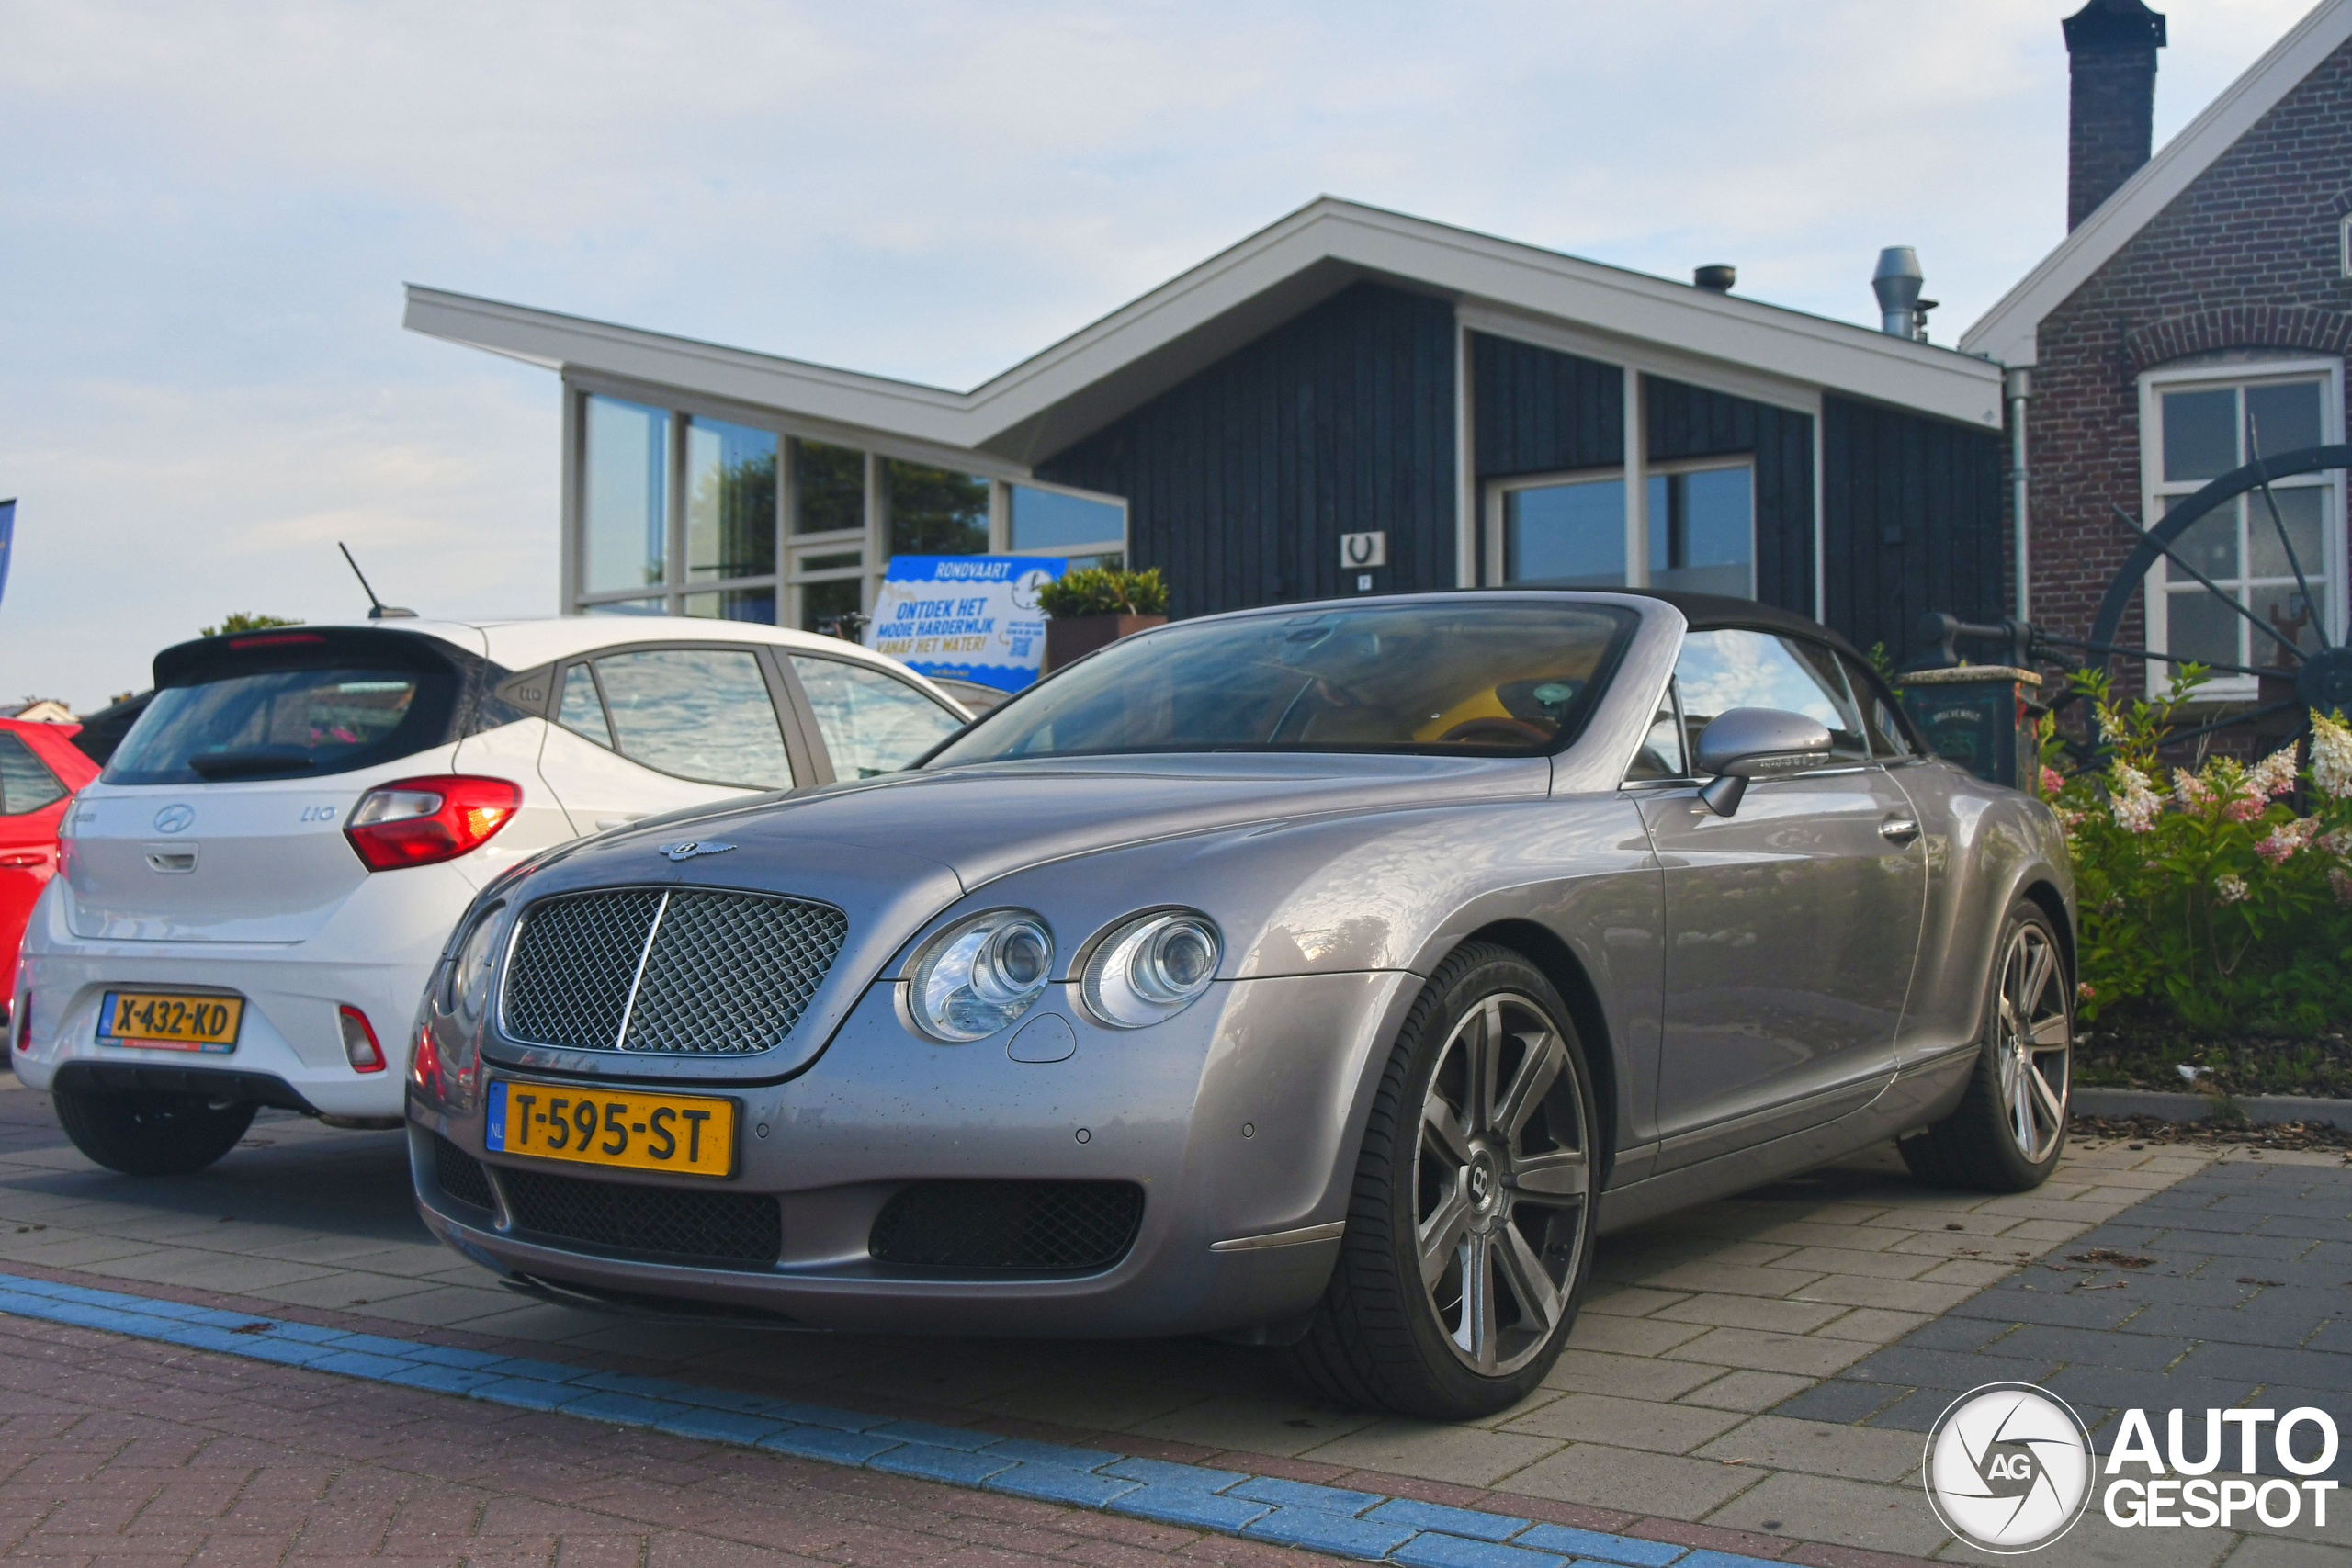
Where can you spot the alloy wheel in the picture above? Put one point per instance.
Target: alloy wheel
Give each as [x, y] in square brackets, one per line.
[1502, 1183]
[2035, 1042]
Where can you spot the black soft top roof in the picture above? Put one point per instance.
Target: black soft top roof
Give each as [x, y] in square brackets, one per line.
[1707, 612]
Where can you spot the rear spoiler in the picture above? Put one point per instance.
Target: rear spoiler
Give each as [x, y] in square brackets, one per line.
[478, 707]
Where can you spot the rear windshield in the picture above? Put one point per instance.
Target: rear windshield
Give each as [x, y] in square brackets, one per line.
[1490, 678]
[281, 724]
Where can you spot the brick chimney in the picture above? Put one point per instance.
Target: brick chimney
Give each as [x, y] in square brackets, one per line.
[2112, 47]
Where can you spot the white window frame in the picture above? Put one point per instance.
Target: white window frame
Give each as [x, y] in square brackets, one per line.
[2344, 245]
[1637, 521]
[2155, 490]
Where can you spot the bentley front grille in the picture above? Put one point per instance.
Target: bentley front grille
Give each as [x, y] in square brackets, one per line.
[460, 1175]
[1032, 1228]
[680, 971]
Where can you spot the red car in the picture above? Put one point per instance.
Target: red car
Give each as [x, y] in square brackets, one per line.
[40, 770]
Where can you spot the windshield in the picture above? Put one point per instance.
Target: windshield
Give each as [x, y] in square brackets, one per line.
[1491, 678]
[271, 724]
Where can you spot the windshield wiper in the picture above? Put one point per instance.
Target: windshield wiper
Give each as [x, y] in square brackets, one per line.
[255, 760]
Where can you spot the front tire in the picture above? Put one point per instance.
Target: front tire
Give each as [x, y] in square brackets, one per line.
[143, 1134]
[1469, 1234]
[2010, 1128]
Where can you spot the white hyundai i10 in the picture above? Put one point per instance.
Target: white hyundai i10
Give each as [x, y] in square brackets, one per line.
[252, 894]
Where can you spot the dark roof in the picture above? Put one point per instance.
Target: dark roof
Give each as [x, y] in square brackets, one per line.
[1708, 611]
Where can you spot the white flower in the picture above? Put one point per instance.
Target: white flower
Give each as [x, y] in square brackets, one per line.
[2128, 798]
[2286, 839]
[2332, 756]
[2230, 889]
[2274, 775]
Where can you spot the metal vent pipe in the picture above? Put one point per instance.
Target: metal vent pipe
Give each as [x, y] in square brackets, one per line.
[1896, 283]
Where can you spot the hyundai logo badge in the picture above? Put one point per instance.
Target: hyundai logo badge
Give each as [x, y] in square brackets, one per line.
[694, 847]
[174, 818]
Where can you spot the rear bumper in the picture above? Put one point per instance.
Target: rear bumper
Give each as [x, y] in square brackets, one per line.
[290, 1034]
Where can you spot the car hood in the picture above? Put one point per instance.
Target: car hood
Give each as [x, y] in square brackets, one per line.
[987, 820]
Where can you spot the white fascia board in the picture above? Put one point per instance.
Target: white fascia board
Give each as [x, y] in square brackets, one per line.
[1100, 371]
[2008, 331]
[762, 380]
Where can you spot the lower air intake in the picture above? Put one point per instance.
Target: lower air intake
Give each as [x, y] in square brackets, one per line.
[733, 1228]
[1033, 1227]
[460, 1175]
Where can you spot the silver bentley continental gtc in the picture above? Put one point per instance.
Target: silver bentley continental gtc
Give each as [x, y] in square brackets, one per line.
[1325, 977]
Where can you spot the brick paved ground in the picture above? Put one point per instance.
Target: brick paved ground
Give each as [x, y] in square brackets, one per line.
[121, 1450]
[2232, 1289]
[1660, 1418]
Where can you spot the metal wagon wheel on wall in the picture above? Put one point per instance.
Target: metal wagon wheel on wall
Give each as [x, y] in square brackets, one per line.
[2322, 677]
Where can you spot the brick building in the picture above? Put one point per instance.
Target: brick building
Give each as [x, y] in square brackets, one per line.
[2198, 311]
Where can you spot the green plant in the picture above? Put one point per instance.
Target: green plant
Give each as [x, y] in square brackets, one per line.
[243, 621]
[1883, 662]
[2214, 899]
[1105, 591]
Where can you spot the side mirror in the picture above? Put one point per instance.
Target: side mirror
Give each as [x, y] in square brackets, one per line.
[1751, 743]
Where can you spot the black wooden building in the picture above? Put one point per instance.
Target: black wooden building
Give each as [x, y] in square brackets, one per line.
[1349, 401]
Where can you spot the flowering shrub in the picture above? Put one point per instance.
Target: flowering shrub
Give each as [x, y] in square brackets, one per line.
[2204, 892]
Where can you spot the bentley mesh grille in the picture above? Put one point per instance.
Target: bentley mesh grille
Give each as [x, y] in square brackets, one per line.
[1040, 1227]
[726, 1228]
[724, 974]
[460, 1175]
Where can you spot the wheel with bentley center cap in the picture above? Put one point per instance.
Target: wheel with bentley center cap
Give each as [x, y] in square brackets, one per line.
[1470, 1233]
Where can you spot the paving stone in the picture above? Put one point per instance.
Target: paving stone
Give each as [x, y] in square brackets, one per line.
[1321, 1531]
[1625, 1423]
[1417, 1515]
[1817, 1447]
[1452, 1551]
[1840, 1399]
[1598, 1547]
[1635, 1377]
[1804, 1355]
[1851, 1513]
[1747, 1390]
[1601, 1477]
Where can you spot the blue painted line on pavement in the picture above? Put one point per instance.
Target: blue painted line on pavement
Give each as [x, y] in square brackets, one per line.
[1367, 1525]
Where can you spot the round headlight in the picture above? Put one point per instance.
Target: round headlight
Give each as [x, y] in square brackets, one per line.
[1151, 968]
[975, 977]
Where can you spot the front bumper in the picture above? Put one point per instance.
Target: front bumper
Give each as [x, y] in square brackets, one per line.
[1239, 1118]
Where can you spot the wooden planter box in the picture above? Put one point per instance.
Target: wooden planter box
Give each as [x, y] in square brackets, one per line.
[1077, 638]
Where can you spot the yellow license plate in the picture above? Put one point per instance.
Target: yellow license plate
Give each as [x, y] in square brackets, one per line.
[690, 1133]
[170, 1021]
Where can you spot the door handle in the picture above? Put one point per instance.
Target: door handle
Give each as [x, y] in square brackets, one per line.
[18, 861]
[1899, 829]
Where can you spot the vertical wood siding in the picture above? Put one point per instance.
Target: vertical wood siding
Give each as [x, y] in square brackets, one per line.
[1535, 411]
[1241, 479]
[1692, 422]
[1911, 512]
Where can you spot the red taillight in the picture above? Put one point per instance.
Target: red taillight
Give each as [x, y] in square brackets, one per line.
[359, 1041]
[274, 639]
[424, 821]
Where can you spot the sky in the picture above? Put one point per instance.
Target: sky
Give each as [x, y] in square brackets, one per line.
[206, 215]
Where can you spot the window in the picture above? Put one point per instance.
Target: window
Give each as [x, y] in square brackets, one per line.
[581, 711]
[730, 503]
[1086, 531]
[873, 723]
[1702, 530]
[26, 782]
[1729, 669]
[279, 724]
[936, 512]
[830, 489]
[625, 496]
[1661, 756]
[1570, 531]
[1882, 723]
[2201, 425]
[700, 713]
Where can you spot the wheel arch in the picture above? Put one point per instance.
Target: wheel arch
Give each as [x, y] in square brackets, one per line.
[2052, 903]
[1542, 947]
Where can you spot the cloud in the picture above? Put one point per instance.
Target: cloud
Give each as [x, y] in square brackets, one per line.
[206, 214]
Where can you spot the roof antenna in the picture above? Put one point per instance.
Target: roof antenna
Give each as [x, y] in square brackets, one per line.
[377, 609]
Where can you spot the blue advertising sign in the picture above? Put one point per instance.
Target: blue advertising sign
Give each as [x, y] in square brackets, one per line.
[8, 539]
[969, 617]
